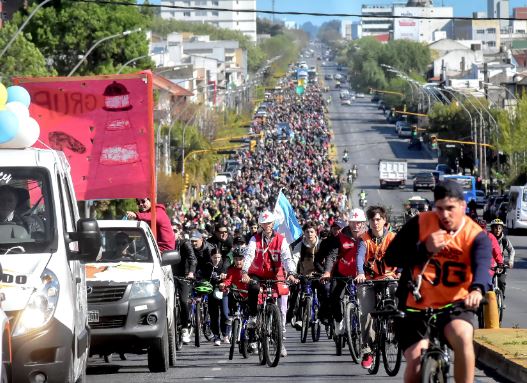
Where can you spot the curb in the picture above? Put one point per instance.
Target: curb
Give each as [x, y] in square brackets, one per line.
[499, 364]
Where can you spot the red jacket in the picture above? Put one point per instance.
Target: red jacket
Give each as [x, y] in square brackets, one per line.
[497, 256]
[234, 277]
[347, 258]
[166, 240]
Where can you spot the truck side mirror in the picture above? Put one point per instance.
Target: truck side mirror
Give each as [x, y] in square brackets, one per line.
[88, 237]
[170, 258]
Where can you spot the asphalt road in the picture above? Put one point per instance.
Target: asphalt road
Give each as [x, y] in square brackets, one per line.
[362, 130]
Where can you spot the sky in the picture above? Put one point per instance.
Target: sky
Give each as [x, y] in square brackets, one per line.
[461, 7]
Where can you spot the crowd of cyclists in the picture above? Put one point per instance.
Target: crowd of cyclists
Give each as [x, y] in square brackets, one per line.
[228, 239]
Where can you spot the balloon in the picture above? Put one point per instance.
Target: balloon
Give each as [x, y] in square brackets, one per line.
[8, 125]
[17, 93]
[19, 109]
[3, 95]
[27, 135]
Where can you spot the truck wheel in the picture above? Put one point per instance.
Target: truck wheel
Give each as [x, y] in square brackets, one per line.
[172, 340]
[158, 353]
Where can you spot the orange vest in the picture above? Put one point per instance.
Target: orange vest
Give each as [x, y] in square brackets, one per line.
[448, 276]
[375, 254]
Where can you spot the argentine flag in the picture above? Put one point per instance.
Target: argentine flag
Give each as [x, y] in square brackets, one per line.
[286, 222]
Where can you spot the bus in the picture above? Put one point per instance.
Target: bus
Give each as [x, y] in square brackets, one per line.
[468, 183]
[517, 208]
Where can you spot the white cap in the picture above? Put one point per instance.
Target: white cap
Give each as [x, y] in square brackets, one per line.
[266, 217]
[357, 215]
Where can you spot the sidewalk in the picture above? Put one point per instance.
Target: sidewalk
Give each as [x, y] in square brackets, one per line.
[504, 351]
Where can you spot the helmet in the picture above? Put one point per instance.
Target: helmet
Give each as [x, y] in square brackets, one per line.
[497, 221]
[203, 287]
[412, 212]
[266, 217]
[482, 223]
[239, 252]
[357, 215]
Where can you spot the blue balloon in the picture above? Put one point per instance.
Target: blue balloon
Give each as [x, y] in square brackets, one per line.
[18, 93]
[8, 125]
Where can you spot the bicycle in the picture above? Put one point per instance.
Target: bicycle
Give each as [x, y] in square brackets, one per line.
[239, 332]
[435, 360]
[269, 326]
[352, 330]
[499, 270]
[383, 316]
[197, 313]
[309, 310]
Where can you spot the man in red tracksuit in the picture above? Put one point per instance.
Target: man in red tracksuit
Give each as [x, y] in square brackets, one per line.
[166, 240]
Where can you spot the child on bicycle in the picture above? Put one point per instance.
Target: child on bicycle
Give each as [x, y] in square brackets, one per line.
[217, 302]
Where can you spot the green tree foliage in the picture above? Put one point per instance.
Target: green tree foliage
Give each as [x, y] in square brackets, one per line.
[512, 133]
[329, 32]
[255, 56]
[266, 26]
[64, 33]
[22, 58]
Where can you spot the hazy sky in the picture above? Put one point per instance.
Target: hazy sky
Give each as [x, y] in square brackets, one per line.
[461, 7]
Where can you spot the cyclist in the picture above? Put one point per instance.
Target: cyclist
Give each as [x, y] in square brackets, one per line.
[445, 256]
[234, 278]
[371, 266]
[184, 269]
[222, 239]
[268, 257]
[497, 257]
[346, 263]
[362, 195]
[507, 250]
[307, 255]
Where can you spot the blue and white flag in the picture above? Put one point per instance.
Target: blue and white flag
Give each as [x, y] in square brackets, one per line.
[286, 222]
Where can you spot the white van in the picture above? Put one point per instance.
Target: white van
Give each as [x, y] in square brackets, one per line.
[42, 243]
[517, 210]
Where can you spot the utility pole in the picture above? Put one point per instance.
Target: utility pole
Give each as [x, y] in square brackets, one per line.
[273, 10]
[486, 80]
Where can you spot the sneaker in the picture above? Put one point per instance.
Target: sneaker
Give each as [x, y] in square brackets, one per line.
[226, 340]
[253, 347]
[217, 341]
[251, 322]
[367, 361]
[339, 327]
[283, 353]
[185, 336]
[298, 325]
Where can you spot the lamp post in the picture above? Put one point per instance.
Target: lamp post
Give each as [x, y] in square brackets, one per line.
[97, 43]
[131, 61]
[19, 30]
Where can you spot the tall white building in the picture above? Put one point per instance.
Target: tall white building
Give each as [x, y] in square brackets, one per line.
[244, 22]
[381, 24]
[499, 9]
[418, 29]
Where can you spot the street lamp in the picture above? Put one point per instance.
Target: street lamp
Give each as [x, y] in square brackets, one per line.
[131, 61]
[97, 43]
[22, 27]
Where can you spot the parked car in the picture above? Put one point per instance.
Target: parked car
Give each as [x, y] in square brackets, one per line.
[444, 168]
[345, 101]
[424, 180]
[131, 295]
[405, 132]
[493, 210]
[344, 94]
[481, 198]
[399, 124]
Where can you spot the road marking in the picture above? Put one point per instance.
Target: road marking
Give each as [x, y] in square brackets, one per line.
[222, 361]
[208, 378]
[216, 368]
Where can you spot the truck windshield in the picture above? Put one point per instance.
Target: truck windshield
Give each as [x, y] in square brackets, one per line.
[25, 210]
[124, 245]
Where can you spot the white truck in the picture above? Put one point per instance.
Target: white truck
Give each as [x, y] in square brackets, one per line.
[42, 246]
[393, 173]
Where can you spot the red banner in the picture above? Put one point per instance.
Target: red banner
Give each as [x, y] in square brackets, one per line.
[104, 125]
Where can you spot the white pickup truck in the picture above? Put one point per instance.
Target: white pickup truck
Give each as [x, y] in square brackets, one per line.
[393, 173]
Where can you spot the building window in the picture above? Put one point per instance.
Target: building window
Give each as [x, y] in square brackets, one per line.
[186, 14]
[216, 3]
[201, 13]
[215, 13]
[491, 44]
[522, 31]
[201, 3]
[480, 31]
[491, 30]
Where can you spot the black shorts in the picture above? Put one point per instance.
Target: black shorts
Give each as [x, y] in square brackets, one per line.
[412, 328]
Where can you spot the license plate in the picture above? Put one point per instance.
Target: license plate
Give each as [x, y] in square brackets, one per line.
[93, 316]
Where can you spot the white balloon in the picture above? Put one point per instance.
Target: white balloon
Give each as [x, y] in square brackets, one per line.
[28, 133]
[19, 109]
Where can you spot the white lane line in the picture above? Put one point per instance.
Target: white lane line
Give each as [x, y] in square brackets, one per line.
[208, 378]
[216, 368]
[222, 361]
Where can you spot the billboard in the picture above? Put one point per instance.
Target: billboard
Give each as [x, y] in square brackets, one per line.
[104, 125]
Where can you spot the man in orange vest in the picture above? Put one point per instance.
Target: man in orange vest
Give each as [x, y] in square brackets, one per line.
[267, 257]
[370, 259]
[445, 257]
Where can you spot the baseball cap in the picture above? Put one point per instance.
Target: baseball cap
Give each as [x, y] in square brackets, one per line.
[195, 235]
[448, 189]
[339, 223]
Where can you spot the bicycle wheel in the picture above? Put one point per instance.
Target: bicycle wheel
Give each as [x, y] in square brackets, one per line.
[234, 336]
[499, 301]
[391, 352]
[205, 321]
[306, 316]
[272, 340]
[432, 368]
[351, 321]
[197, 324]
[261, 335]
[315, 326]
[376, 348]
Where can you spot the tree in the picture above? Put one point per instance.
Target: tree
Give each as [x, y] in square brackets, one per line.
[65, 33]
[266, 26]
[22, 58]
[329, 32]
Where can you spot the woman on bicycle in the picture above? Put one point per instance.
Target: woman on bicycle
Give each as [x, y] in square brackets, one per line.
[507, 250]
[445, 257]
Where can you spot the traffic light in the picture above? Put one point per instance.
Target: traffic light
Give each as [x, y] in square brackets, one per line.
[433, 141]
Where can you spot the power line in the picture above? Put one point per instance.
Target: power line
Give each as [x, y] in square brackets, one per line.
[292, 13]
